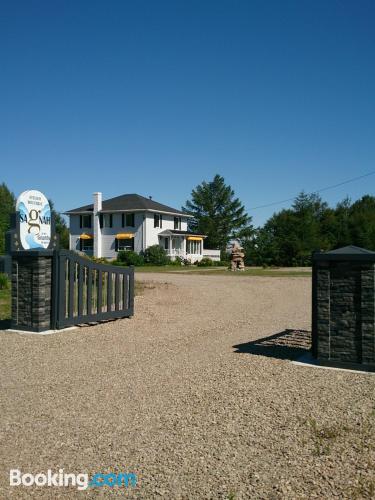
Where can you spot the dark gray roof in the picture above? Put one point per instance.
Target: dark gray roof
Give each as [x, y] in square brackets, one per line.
[349, 252]
[128, 202]
[182, 233]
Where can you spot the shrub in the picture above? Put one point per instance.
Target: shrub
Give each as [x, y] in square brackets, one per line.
[4, 282]
[129, 258]
[100, 260]
[205, 262]
[156, 255]
[178, 261]
[222, 263]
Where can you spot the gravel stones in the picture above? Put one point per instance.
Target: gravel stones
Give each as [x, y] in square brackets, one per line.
[167, 395]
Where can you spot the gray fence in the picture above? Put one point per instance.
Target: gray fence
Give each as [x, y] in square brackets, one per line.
[86, 291]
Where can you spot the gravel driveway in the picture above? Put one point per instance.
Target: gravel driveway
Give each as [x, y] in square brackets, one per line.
[166, 395]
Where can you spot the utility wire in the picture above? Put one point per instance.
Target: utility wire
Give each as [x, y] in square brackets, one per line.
[315, 192]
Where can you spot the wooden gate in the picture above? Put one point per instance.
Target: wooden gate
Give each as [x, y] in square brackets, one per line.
[85, 291]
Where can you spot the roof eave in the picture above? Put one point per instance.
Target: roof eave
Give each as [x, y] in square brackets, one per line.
[108, 211]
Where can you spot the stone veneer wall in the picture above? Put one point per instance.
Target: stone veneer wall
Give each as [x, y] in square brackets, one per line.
[344, 312]
[31, 292]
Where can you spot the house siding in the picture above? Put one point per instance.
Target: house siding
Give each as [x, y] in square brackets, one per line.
[144, 237]
[152, 233]
[109, 233]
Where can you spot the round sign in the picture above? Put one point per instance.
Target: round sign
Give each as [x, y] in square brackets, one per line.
[34, 220]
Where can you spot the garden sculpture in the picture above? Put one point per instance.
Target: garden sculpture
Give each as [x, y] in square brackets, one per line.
[237, 258]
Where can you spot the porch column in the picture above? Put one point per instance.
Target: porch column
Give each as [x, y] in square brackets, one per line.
[184, 247]
[170, 245]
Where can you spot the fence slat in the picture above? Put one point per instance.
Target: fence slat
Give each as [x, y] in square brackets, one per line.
[117, 291]
[100, 297]
[109, 292]
[71, 288]
[80, 290]
[125, 292]
[89, 290]
[131, 290]
[63, 293]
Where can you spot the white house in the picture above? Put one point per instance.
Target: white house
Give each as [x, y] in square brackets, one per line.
[133, 222]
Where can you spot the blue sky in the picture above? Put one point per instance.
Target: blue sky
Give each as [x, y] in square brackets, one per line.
[153, 97]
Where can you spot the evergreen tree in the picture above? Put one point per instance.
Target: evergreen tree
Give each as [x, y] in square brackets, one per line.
[7, 207]
[217, 213]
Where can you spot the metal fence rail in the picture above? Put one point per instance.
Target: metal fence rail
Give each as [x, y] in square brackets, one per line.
[85, 291]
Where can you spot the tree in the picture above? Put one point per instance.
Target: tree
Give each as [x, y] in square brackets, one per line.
[60, 227]
[290, 236]
[362, 222]
[7, 207]
[217, 213]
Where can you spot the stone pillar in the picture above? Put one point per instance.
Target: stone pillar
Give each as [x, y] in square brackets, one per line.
[32, 290]
[368, 313]
[323, 311]
[343, 323]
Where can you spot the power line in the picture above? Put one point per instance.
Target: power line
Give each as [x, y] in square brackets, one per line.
[317, 191]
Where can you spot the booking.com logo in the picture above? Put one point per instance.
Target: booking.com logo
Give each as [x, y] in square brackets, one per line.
[81, 480]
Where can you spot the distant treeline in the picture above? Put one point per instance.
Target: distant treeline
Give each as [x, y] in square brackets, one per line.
[290, 236]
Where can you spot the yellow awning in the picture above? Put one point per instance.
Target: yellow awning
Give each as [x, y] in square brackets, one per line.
[124, 236]
[194, 238]
[85, 236]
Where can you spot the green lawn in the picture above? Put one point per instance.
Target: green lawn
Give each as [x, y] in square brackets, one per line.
[223, 271]
[5, 304]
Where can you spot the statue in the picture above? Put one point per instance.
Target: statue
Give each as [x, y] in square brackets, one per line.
[237, 258]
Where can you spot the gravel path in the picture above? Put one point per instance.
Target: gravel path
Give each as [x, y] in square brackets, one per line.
[166, 395]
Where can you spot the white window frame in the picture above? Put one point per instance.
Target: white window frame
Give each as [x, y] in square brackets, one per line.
[85, 248]
[106, 220]
[84, 219]
[121, 247]
[194, 247]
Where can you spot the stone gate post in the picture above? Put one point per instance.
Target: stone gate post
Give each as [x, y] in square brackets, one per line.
[32, 290]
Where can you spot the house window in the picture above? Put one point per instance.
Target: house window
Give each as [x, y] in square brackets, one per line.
[193, 247]
[158, 221]
[177, 222]
[86, 246]
[85, 221]
[128, 220]
[166, 244]
[106, 220]
[125, 244]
